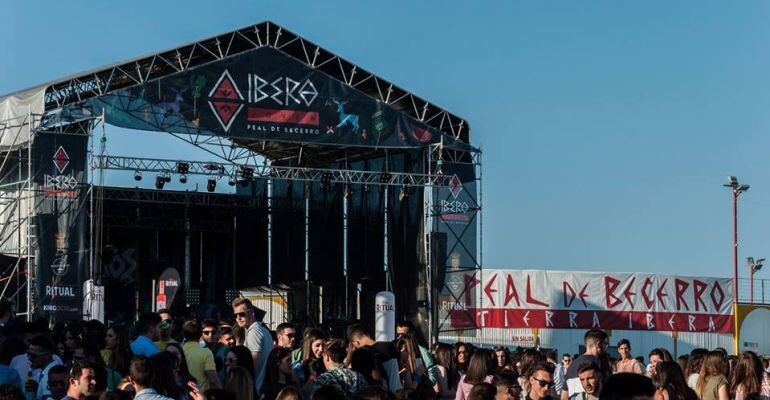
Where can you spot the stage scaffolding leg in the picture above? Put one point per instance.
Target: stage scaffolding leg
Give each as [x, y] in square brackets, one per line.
[30, 205]
[235, 226]
[307, 249]
[187, 255]
[345, 199]
[386, 262]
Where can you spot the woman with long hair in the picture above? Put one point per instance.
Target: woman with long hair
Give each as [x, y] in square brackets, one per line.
[240, 382]
[411, 366]
[694, 365]
[164, 382]
[447, 371]
[712, 384]
[117, 349]
[239, 356]
[462, 354]
[311, 364]
[278, 374]
[670, 383]
[481, 369]
[529, 359]
[749, 378]
[181, 373]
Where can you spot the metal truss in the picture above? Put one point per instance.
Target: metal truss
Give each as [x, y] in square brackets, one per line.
[177, 197]
[236, 172]
[74, 89]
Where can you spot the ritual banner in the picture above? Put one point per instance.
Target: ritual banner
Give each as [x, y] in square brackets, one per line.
[61, 208]
[585, 300]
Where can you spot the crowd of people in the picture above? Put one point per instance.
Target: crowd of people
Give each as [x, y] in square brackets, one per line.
[162, 357]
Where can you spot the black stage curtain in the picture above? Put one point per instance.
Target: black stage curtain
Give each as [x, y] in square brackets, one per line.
[288, 229]
[366, 225]
[326, 231]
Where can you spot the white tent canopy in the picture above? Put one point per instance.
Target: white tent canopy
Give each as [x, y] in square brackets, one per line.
[16, 111]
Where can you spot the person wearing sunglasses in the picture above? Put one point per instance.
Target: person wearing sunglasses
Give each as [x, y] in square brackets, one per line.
[40, 353]
[285, 336]
[507, 384]
[258, 338]
[541, 382]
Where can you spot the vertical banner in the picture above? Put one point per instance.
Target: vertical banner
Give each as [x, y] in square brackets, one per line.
[455, 215]
[61, 204]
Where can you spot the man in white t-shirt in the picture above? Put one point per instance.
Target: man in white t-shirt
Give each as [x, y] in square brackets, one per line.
[258, 338]
[40, 353]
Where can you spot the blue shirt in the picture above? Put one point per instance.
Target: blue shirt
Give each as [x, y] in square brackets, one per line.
[9, 375]
[150, 394]
[143, 346]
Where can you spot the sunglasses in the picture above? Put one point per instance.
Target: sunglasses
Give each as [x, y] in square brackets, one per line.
[543, 383]
[242, 314]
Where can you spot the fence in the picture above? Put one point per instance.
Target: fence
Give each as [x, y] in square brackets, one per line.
[761, 291]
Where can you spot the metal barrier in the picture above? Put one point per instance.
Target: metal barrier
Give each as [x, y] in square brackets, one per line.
[761, 291]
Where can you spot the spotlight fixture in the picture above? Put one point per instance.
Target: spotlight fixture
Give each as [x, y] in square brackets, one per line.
[137, 176]
[183, 179]
[231, 181]
[326, 179]
[159, 182]
[182, 167]
[211, 185]
[349, 192]
[384, 177]
[247, 173]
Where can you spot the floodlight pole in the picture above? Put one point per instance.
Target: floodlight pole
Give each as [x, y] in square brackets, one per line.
[732, 182]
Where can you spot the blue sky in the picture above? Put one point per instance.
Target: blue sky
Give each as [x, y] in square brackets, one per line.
[607, 127]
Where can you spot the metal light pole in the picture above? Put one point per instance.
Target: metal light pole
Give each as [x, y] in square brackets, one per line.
[754, 267]
[732, 182]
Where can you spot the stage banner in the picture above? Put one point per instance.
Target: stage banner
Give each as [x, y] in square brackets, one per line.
[266, 95]
[61, 206]
[455, 215]
[584, 300]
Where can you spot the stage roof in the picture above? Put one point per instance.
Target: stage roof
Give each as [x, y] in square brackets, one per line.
[125, 79]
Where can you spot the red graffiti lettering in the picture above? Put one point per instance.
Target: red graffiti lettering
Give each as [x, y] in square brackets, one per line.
[700, 287]
[610, 285]
[470, 282]
[717, 289]
[661, 294]
[567, 288]
[628, 294]
[510, 292]
[530, 299]
[488, 290]
[648, 301]
[680, 288]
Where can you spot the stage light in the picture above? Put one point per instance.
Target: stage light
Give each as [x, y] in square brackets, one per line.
[182, 167]
[384, 177]
[159, 182]
[247, 173]
[183, 179]
[326, 179]
[137, 176]
[211, 185]
[231, 181]
[404, 193]
[349, 192]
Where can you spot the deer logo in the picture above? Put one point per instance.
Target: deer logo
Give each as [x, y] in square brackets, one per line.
[346, 118]
[172, 107]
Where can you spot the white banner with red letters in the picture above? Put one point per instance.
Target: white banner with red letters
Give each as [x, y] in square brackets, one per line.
[584, 300]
